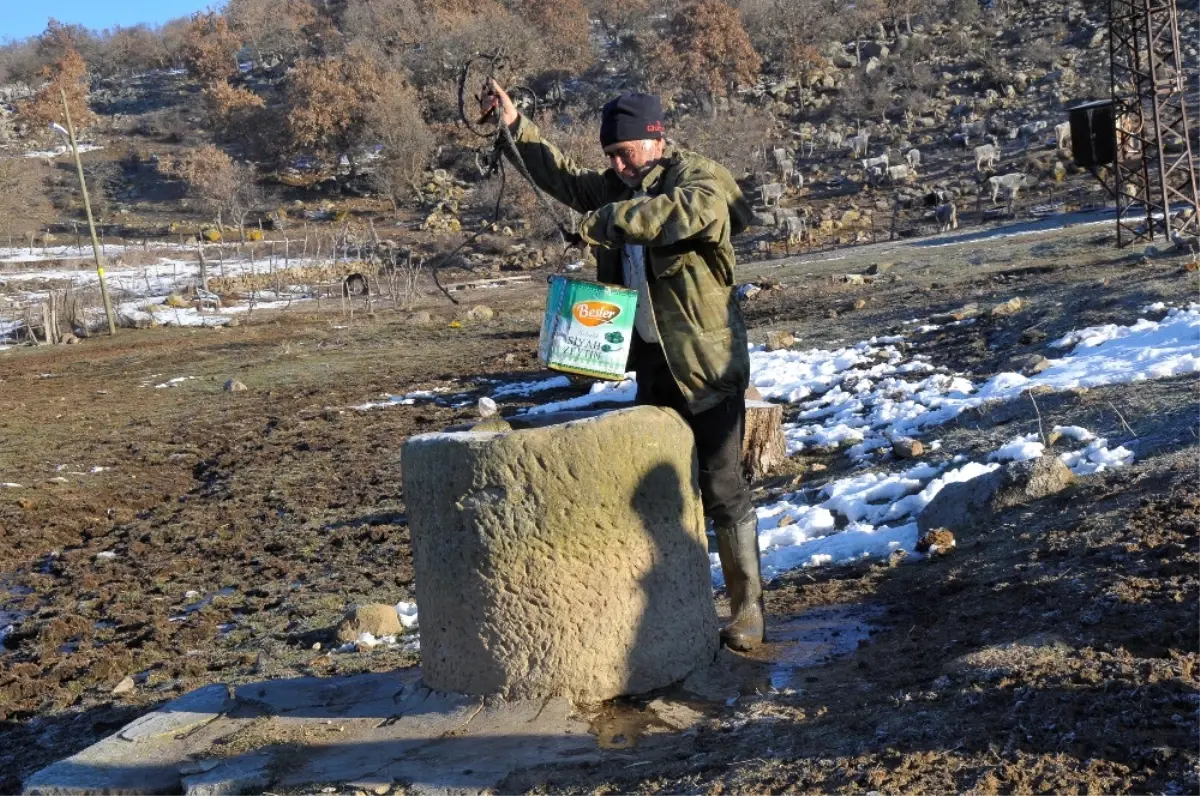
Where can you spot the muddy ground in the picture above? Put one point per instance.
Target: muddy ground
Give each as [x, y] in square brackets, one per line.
[1054, 650]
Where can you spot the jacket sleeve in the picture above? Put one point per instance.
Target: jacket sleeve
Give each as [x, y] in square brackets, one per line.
[582, 190]
[693, 210]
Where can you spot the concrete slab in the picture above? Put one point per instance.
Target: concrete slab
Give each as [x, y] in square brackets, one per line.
[186, 713]
[246, 774]
[144, 757]
[358, 696]
[312, 731]
[381, 729]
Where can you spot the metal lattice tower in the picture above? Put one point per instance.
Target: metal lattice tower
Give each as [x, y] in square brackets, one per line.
[1154, 170]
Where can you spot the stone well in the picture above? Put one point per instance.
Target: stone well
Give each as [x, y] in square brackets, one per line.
[569, 559]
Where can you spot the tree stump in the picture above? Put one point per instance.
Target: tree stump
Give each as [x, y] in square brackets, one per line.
[763, 446]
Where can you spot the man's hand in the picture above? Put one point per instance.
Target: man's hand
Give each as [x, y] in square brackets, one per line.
[496, 97]
[573, 239]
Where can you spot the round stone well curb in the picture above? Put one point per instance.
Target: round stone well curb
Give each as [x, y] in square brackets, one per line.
[565, 560]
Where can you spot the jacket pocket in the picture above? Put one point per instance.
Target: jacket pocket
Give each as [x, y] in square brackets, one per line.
[667, 262]
[714, 355]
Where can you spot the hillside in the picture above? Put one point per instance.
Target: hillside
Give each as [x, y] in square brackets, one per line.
[328, 114]
[979, 552]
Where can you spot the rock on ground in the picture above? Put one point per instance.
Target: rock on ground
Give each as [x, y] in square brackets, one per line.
[374, 618]
[1010, 307]
[957, 507]
[936, 541]
[780, 340]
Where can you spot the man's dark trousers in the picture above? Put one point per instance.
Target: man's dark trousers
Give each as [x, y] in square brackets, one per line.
[718, 432]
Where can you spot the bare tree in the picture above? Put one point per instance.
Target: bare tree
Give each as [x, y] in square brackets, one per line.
[328, 100]
[221, 187]
[790, 33]
[66, 74]
[393, 26]
[394, 122]
[706, 52]
[736, 139]
[23, 200]
[618, 17]
[123, 50]
[897, 10]
[230, 107]
[210, 48]
[273, 29]
[866, 96]
[564, 27]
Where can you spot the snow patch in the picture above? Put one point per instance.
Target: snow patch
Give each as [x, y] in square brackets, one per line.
[1097, 457]
[173, 382]
[1019, 449]
[624, 391]
[525, 388]
[399, 400]
[407, 613]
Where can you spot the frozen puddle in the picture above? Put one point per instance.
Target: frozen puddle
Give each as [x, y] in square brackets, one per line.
[795, 646]
[816, 636]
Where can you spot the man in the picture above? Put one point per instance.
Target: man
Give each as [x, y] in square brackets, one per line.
[660, 222]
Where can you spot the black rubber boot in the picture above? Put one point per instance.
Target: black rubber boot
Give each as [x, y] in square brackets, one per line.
[737, 547]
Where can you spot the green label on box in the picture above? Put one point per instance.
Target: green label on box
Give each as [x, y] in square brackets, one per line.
[586, 328]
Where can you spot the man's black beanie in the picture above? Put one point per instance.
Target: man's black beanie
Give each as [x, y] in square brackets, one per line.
[631, 117]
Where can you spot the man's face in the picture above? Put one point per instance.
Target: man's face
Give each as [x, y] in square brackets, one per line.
[632, 159]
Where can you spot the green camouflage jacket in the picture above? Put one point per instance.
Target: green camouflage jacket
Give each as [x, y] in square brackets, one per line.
[690, 210]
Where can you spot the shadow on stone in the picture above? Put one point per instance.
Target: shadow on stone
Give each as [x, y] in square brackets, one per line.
[371, 728]
[678, 611]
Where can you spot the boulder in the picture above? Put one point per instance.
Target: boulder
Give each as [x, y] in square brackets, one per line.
[959, 507]
[780, 340]
[874, 49]
[960, 314]
[1010, 307]
[568, 559]
[935, 542]
[419, 318]
[1033, 335]
[480, 312]
[377, 619]
[843, 61]
[492, 424]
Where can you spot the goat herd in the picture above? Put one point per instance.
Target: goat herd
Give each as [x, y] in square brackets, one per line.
[894, 168]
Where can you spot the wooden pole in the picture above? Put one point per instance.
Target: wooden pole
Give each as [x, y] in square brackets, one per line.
[203, 264]
[87, 207]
